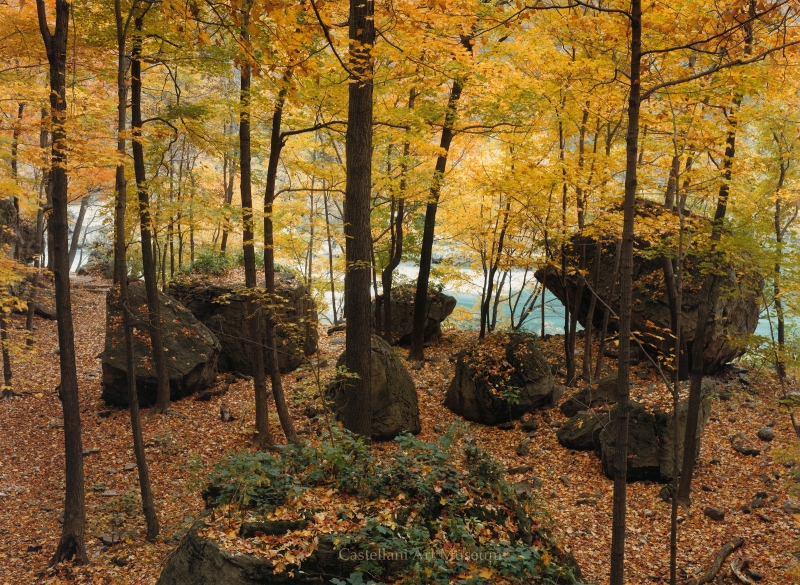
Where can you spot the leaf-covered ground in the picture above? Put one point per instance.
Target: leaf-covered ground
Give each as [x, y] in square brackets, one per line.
[183, 447]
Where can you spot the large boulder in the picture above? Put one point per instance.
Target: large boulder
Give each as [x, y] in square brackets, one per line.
[192, 350]
[643, 445]
[582, 431]
[222, 308]
[500, 379]
[394, 396]
[604, 394]
[666, 425]
[734, 317]
[201, 560]
[439, 307]
[651, 437]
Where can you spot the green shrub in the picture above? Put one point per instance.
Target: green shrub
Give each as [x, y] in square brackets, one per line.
[453, 495]
[208, 260]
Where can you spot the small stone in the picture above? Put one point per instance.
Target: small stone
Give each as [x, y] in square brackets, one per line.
[92, 451]
[119, 561]
[230, 378]
[732, 419]
[742, 445]
[523, 448]
[417, 366]
[523, 489]
[109, 538]
[530, 425]
[99, 487]
[754, 575]
[649, 514]
[706, 488]
[756, 503]
[585, 502]
[104, 413]
[791, 507]
[34, 547]
[765, 518]
[565, 480]
[745, 509]
[111, 471]
[762, 495]
[666, 493]
[519, 470]
[714, 461]
[765, 434]
[129, 466]
[506, 426]
[110, 494]
[714, 513]
[57, 423]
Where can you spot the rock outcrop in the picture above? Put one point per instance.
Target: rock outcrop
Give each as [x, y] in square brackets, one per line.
[500, 379]
[395, 406]
[735, 314]
[439, 308]
[192, 350]
[603, 395]
[221, 307]
[651, 436]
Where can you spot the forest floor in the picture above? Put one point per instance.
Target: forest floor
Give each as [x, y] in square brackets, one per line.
[182, 448]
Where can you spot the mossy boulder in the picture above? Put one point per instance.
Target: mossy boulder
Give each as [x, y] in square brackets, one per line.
[500, 379]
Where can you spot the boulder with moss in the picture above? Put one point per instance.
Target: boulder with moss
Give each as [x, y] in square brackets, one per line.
[500, 379]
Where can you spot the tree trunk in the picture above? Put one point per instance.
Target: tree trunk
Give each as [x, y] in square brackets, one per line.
[145, 224]
[601, 343]
[71, 545]
[622, 409]
[121, 277]
[44, 189]
[330, 254]
[262, 437]
[417, 350]
[7, 374]
[396, 250]
[494, 260]
[357, 416]
[276, 145]
[587, 340]
[709, 293]
[76, 232]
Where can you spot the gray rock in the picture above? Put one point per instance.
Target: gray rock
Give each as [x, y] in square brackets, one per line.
[581, 432]
[742, 444]
[523, 489]
[394, 397]
[529, 384]
[714, 513]
[192, 350]
[643, 445]
[439, 307]
[766, 434]
[129, 466]
[222, 309]
[734, 316]
[791, 507]
[604, 394]
[666, 431]
[523, 448]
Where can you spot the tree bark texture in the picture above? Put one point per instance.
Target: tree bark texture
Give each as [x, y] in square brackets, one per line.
[71, 544]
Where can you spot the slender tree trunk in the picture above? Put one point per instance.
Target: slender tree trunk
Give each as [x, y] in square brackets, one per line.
[44, 202]
[273, 363]
[587, 345]
[673, 518]
[262, 438]
[229, 167]
[622, 409]
[494, 260]
[357, 416]
[396, 251]
[146, 224]
[71, 545]
[601, 343]
[121, 277]
[76, 232]
[330, 254]
[417, 350]
[497, 294]
[7, 373]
